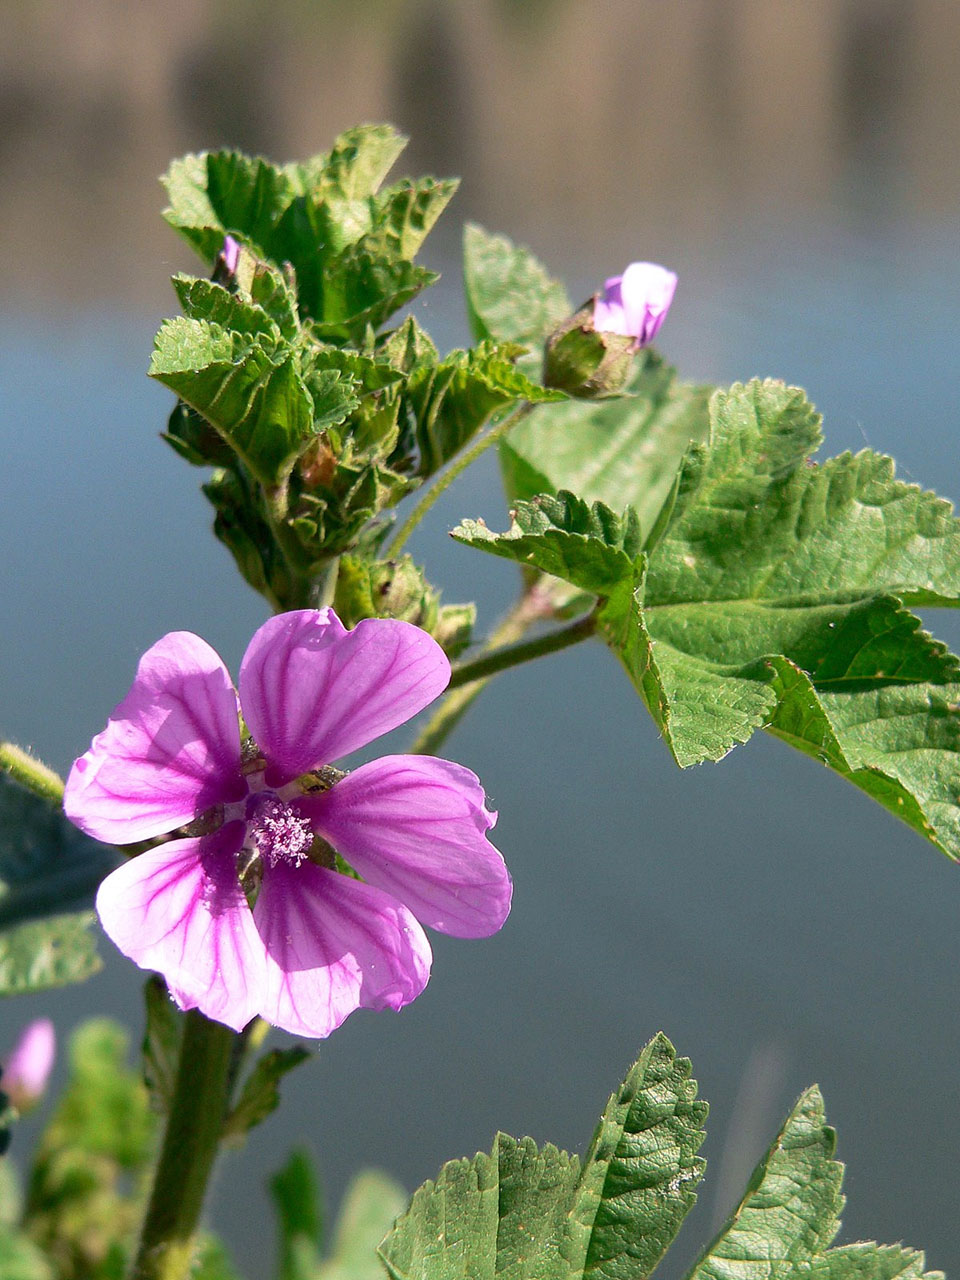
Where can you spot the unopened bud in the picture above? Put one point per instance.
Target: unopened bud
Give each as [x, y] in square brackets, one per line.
[28, 1068]
[584, 362]
[635, 304]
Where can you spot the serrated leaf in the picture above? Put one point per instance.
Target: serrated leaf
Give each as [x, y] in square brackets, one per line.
[590, 547]
[522, 1212]
[253, 396]
[359, 289]
[205, 300]
[53, 952]
[355, 165]
[217, 192]
[405, 213]
[161, 1043]
[773, 597]
[869, 1261]
[510, 295]
[791, 1210]
[449, 402]
[47, 865]
[260, 1095]
[296, 1199]
[617, 451]
[370, 1205]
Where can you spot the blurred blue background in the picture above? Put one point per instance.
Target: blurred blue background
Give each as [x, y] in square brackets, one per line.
[797, 165]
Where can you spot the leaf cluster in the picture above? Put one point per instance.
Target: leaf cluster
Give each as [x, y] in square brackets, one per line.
[741, 583]
[317, 417]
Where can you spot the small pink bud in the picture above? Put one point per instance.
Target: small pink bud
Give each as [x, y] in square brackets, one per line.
[27, 1070]
[230, 254]
[635, 304]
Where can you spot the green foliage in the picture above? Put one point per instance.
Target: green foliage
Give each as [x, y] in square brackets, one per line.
[296, 1197]
[48, 953]
[260, 1094]
[538, 1213]
[510, 296]
[370, 1206]
[621, 451]
[450, 401]
[525, 1212]
[771, 594]
[99, 1142]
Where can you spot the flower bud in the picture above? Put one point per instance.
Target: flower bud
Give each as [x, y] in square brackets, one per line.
[584, 362]
[28, 1068]
[636, 303]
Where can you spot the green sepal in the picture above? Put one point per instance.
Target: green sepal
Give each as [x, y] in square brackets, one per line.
[161, 1043]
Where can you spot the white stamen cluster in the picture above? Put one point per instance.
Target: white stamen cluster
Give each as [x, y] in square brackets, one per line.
[278, 832]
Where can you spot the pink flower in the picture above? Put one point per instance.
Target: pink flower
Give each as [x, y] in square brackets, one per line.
[636, 303]
[230, 253]
[28, 1068]
[318, 943]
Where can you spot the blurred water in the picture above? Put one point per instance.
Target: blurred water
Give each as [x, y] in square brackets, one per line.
[778, 926]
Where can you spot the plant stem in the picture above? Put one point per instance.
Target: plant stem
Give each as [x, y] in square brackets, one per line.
[513, 655]
[446, 478]
[206, 1068]
[500, 652]
[30, 773]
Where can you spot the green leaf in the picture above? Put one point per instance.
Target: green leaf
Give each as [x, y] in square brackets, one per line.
[54, 952]
[791, 1210]
[161, 1043]
[359, 289]
[869, 1261]
[206, 300]
[296, 1198]
[220, 191]
[371, 1204]
[590, 547]
[618, 451]
[254, 397]
[211, 1261]
[510, 296]
[522, 1212]
[260, 1094]
[405, 213]
[47, 865]
[772, 596]
[355, 165]
[450, 401]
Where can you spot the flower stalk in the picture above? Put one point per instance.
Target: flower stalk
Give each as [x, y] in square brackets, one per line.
[30, 773]
[489, 664]
[201, 1096]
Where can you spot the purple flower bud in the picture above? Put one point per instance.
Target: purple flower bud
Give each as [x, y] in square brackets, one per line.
[636, 303]
[28, 1068]
[230, 254]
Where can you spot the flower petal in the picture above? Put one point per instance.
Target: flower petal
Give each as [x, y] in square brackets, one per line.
[647, 291]
[416, 827]
[312, 692]
[334, 945]
[170, 750]
[178, 909]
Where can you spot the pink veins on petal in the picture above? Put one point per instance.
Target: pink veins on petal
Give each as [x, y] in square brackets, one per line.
[318, 943]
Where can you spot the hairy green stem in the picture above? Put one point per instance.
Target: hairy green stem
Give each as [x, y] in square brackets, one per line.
[446, 478]
[513, 655]
[30, 773]
[205, 1072]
